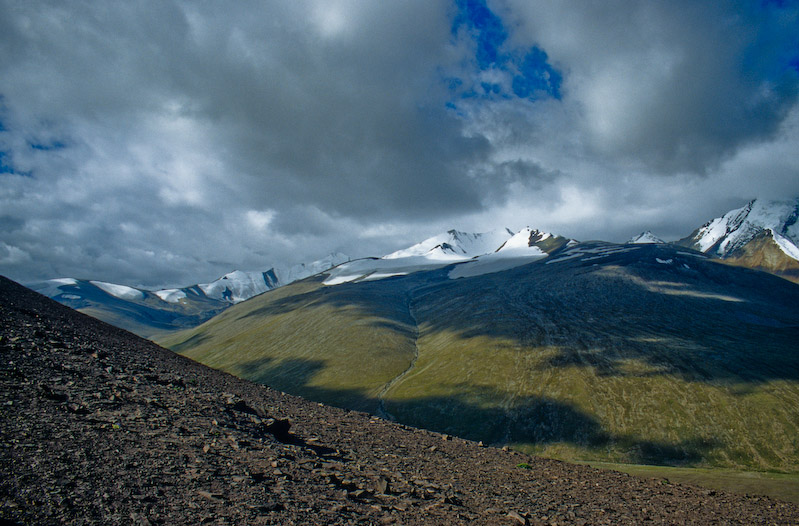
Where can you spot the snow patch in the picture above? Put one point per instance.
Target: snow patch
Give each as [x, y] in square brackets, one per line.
[645, 237]
[372, 269]
[592, 252]
[383, 275]
[302, 271]
[454, 246]
[171, 295]
[236, 286]
[52, 287]
[120, 291]
[505, 259]
[785, 244]
[664, 261]
[63, 281]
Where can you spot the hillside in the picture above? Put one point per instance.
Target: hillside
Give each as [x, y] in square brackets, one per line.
[625, 353]
[98, 426]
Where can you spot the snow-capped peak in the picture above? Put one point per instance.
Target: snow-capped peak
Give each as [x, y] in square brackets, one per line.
[645, 237]
[724, 235]
[120, 291]
[238, 285]
[476, 253]
[454, 245]
[525, 238]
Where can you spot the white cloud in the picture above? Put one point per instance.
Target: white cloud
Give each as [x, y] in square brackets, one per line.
[259, 219]
[175, 141]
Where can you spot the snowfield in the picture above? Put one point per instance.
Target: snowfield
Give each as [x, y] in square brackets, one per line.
[471, 255]
[119, 291]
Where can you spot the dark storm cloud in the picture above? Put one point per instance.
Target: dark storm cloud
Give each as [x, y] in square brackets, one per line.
[676, 86]
[167, 142]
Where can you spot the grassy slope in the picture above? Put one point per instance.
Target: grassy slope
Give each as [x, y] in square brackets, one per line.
[626, 361]
[310, 340]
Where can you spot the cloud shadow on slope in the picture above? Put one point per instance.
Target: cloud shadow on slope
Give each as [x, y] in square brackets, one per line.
[533, 421]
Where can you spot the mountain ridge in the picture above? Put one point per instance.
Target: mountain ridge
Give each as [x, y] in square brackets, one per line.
[762, 235]
[153, 312]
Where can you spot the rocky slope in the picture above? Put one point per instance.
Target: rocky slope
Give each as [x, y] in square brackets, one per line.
[101, 427]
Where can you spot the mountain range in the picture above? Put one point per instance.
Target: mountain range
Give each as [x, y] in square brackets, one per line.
[642, 352]
[762, 235]
[149, 313]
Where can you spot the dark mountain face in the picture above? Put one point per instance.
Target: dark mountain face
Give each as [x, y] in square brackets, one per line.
[98, 426]
[638, 353]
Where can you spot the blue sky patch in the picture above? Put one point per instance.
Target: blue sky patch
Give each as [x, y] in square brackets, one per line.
[536, 75]
[7, 167]
[4, 167]
[531, 75]
[782, 4]
[487, 29]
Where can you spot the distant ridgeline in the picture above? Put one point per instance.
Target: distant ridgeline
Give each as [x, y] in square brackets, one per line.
[150, 313]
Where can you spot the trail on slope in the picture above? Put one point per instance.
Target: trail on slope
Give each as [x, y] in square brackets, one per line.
[381, 408]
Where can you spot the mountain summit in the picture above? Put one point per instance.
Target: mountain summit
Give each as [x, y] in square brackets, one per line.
[474, 254]
[763, 235]
[645, 237]
[455, 245]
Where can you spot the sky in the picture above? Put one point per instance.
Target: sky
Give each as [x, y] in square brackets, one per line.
[164, 143]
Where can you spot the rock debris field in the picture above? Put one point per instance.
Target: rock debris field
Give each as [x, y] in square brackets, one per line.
[98, 426]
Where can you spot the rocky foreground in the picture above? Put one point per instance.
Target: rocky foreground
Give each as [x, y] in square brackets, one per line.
[98, 426]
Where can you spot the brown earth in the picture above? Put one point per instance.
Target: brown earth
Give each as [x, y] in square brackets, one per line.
[98, 426]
